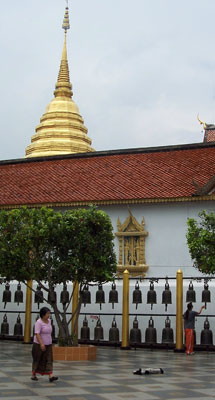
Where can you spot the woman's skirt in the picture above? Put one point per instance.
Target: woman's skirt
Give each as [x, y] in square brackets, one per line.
[189, 337]
[42, 360]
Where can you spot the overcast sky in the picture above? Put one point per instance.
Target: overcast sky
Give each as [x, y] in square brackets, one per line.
[141, 69]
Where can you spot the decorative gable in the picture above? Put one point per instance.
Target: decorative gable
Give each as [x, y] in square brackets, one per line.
[131, 235]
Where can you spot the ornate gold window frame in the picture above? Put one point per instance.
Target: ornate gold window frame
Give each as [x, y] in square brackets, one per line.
[131, 236]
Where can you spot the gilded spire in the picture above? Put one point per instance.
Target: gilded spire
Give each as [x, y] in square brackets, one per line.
[63, 86]
[61, 129]
[66, 25]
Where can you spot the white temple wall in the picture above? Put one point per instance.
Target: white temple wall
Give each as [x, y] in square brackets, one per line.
[166, 251]
[165, 246]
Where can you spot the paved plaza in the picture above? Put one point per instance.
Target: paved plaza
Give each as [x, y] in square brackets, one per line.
[110, 376]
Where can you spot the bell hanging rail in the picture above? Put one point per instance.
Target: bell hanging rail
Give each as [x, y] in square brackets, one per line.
[129, 312]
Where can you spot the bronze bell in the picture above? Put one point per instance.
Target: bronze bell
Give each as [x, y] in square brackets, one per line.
[52, 297]
[206, 295]
[135, 333]
[166, 295]
[85, 330]
[100, 296]
[167, 333]
[5, 326]
[151, 333]
[191, 294]
[85, 295]
[64, 296]
[18, 328]
[114, 332]
[206, 334]
[151, 295]
[98, 331]
[18, 296]
[137, 295]
[113, 295]
[38, 296]
[6, 298]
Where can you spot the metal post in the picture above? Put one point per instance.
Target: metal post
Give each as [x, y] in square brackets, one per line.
[179, 311]
[74, 309]
[28, 305]
[125, 311]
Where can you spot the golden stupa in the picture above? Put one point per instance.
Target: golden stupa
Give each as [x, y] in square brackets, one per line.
[61, 129]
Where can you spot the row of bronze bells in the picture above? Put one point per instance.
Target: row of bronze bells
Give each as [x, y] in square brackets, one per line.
[167, 333]
[38, 296]
[135, 332]
[167, 295]
[152, 295]
[85, 295]
[113, 295]
[99, 331]
[18, 327]
[137, 295]
[191, 294]
[151, 333]
[18, 295]
[100, 295]
[52, 296]
[64, 295]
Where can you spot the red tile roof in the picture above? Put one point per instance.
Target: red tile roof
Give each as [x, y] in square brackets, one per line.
[209, 135]
[140, 174]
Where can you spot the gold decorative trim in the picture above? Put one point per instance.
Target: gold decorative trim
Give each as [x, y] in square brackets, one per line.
[113, 202]
[131, 236]
[134, 271]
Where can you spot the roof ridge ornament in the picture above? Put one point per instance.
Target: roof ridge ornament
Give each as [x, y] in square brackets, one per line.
[201, 122]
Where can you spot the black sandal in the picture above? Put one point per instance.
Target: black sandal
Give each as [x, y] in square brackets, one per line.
[34, 378]
[53, 378]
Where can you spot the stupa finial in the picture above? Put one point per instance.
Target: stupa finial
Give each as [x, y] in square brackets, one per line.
[66, 24]
[63, 86]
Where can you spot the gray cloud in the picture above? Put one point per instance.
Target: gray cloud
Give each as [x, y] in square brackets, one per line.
[141, 70]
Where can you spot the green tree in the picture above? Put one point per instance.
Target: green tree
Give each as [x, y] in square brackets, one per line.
[201, 241]
[52, 248]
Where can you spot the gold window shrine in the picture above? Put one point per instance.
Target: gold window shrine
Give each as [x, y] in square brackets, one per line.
[131, 236]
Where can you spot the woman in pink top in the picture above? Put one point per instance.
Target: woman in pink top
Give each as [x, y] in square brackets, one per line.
[42, 347]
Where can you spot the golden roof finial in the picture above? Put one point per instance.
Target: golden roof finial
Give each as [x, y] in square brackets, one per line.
[63, 86]
[66, 25]
[201, 122]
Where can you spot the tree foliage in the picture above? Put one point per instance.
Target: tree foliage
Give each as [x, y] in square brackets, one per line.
[201, 241]
[51, 248]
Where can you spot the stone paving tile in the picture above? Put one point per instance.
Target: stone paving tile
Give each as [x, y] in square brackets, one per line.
[110, 377]
[135, 396]
[25, 398]
[47, 391]
[5, 393]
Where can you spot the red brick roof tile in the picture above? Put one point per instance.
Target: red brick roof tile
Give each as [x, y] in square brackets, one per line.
[157, 173]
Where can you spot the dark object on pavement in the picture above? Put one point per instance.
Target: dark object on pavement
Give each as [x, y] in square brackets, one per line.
[148, 371]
